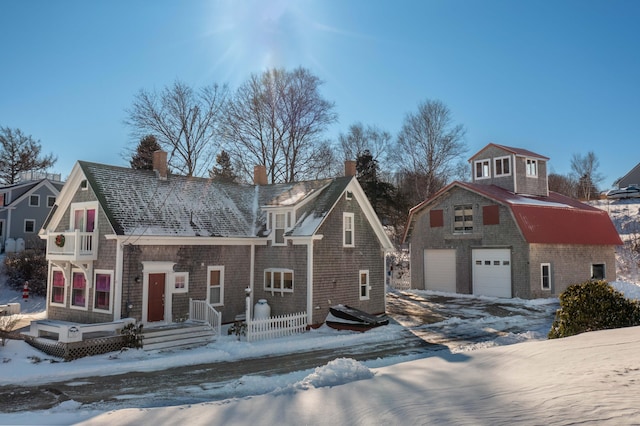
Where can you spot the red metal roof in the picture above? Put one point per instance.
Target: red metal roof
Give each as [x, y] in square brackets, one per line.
[555, 219]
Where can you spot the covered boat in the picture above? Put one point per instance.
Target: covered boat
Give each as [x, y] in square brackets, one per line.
[344, 317]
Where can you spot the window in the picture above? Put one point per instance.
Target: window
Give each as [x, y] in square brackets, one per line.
[463, 219]
[278, 280]
[79, 290]
[364, 285]
[483, 169]
[545, 276]
[103, 291]
[51, 201]
[215, 285]
[57, 287]
[84, 217]
[181, 282]
[34, 201]
[29, 225]
[597, 271]
[532, 167]
[348, 195]
[84, 185]
[347, 230]
[502, 166]
[279, 228]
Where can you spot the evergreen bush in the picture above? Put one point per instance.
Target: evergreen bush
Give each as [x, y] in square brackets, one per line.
[593, 305]
[28, 265]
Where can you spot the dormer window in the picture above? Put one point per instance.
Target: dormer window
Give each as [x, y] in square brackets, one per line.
[502, 166]
[532, 167]
[279, 223]
[483, 169]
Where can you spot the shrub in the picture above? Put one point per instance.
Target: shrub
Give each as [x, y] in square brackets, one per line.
[29, 265]
[593, 305]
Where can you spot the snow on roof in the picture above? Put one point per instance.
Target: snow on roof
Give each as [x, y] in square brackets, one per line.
[138, 202]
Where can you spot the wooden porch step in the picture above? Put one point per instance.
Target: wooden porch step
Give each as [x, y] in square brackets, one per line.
[181, 336]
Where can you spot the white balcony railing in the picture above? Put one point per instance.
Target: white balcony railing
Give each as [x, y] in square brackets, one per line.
[72, 245]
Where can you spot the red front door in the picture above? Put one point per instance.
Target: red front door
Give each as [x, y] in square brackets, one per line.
[155, 306]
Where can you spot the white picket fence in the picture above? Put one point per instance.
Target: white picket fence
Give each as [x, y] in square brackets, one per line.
[269, 328]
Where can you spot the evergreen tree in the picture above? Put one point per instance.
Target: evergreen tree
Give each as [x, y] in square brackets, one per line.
[224, 169]
[20, 153]
[142, 158]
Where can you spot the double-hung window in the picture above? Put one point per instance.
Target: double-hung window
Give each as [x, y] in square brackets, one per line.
[532, 167]
[463, 219]
[103, 291]
[29, 225]
[78, 290]
[34, 200]
[57, 287]
[364, 284]
[483, 169]
[502, 166]
[348, 230]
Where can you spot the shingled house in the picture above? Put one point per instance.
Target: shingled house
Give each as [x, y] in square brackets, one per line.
[505, 234]
[141, 244]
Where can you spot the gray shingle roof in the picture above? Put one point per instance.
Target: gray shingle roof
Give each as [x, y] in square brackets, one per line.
[138, 202]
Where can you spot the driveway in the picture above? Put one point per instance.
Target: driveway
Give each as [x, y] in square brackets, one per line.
[432, 323]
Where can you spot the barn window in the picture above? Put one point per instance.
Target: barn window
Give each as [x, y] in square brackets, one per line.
[502, 166]
[463, 219]
[436, 218]
[545, 276]
[597, 271]
[491, 215]
[532, 167]
[483, 169]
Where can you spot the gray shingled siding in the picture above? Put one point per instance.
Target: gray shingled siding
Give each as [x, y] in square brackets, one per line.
[336, 268]
[504, 235]
[490, 153]
[531, 185]
[574, 267]
[286, 257]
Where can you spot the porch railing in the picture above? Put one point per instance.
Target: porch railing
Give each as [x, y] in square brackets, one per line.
[72, 245]
[269, 328]
[201, 310]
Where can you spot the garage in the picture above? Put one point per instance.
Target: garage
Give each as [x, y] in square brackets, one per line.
[440, 270]
[492, 272]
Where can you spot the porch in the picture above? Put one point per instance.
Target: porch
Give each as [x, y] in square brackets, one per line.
[72, 245]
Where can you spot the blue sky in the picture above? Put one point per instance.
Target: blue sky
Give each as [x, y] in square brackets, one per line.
[554, 77]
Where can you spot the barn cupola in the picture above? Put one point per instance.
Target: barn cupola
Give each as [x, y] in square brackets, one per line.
[515, 169]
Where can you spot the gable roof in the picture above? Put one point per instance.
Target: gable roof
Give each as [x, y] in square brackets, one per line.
[515, 151]
[137, 202]
[632, 177]
[555, 219]
[20, 191]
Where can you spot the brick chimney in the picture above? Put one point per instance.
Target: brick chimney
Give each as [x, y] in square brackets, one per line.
[260, 175]
[349, 168]
[160, 164]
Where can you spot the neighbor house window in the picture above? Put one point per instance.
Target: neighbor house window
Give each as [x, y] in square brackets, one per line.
[181, 282]
[29, 225]
[597, 271]
[57, 287]
[34, 201]
[78, 290]
[502, 166]
[532, 167]
[347, 230]
[463, 219]
[215, 285]
[364, 285]
[103, 291]
[51, 201]
[483, 170]
[545, 276]
[278, 280]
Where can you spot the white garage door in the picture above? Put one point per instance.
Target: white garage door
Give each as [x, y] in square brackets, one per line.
[492, 272]
[440, 270]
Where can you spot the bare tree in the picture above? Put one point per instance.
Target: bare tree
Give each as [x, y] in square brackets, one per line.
[359, 139]
[585, 171]
[278, 119]
[427, 148]
[562, 184]
[20, 153]
[184, 122]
